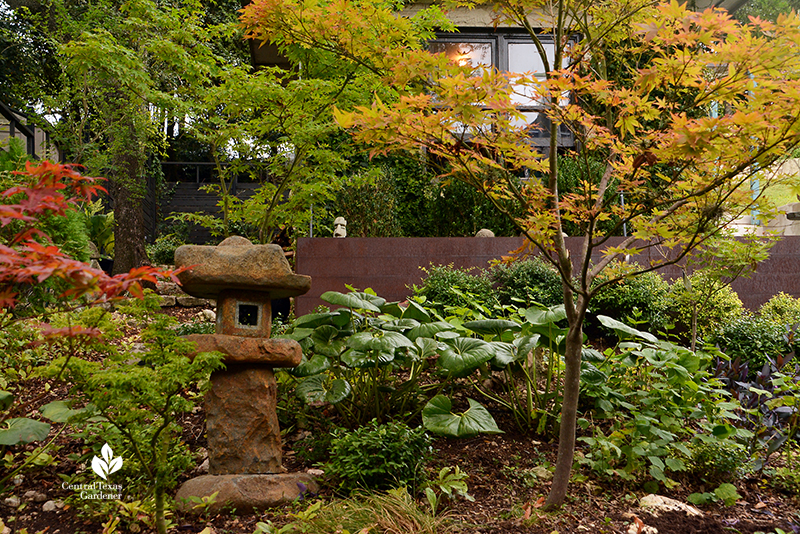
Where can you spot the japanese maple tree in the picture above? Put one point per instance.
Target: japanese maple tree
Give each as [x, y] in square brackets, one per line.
[27, 255]
[684, 108]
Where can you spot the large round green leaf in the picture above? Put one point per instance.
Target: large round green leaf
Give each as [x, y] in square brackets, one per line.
[463, 355]
[350, 300]
[319, 388]
[344, 317]
[504, 353]
[592, 375]
[23, 430]
[6, 399]
[313, 320]
[492, 327]
[425, 347]
[325, 342]
[447, 334]
[356, 359]
[399, 325]
[379, 341]
[59, 411]
[393, 309]
[298, 334]
[525, 344]
[624, 331]
[316, 365]
[372, 299]
[589, 354]
[428, 330]
[415, 311]
[437, 417]
[546, 316]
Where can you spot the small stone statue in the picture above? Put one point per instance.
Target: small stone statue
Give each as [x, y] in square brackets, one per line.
[339, 227]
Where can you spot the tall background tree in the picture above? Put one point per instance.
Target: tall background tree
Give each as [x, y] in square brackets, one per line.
[124, 74]
[634, 82]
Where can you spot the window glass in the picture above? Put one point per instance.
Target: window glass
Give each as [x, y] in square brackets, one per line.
[525, 58]
[476, 54]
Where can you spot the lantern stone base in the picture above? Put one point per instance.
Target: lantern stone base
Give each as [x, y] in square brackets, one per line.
[246, 493]
[242, 421]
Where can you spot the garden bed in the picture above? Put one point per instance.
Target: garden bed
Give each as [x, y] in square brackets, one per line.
[506, 478]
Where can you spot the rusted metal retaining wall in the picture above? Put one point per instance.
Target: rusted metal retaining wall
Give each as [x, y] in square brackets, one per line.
[391, 266]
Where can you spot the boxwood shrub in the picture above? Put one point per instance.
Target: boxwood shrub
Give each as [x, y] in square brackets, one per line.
[751, 338]
[440, 280]
[644, 298]
[527, 282]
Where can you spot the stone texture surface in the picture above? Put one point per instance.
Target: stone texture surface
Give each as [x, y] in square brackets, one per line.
[272, 352]
[190, 302]
[228, 313]
[659, 503]
[242, 424]
[238, 264]
[245, 492]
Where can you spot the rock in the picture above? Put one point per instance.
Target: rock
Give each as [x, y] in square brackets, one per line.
[191, 302]
[34, 496]
[645, 529]
[484, 232]
[275, 352]
[245, 492]
[658, 503]
[93, 252]
[542, 473]
[207, 315]
[202, 469]
[49, 506]
[166, 301]
[168, 288]
[238, 264]
[12, 501]
[17, 480]
[315, 472]
[242, 422]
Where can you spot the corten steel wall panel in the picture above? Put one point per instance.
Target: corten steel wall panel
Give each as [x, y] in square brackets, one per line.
[391, 266]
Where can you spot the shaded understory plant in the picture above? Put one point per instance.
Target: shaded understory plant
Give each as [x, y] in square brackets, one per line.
[393, 511]
[369, 359]
[648, 398]
[376, 457]
[37, 279]
[136, 398]
[767, 406]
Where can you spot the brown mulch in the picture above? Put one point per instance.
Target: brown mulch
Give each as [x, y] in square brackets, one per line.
[502, 479]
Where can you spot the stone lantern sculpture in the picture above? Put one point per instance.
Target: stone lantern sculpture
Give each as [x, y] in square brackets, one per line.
[244, 440]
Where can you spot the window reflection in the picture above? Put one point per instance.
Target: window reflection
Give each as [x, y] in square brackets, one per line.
[476, 55]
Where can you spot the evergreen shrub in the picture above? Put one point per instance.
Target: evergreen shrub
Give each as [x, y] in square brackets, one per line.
[378, 457]
[752, 339]
[782, 308]
[643, 299]
[717, 304]
[441, 280]
[527, 282]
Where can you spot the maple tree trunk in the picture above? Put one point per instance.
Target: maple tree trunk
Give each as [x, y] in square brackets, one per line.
[569, 416]
[129, 229]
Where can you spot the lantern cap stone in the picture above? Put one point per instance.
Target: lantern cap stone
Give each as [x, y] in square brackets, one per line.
[236, 263]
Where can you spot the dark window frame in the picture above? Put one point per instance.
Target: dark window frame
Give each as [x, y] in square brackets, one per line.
[500, 59]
